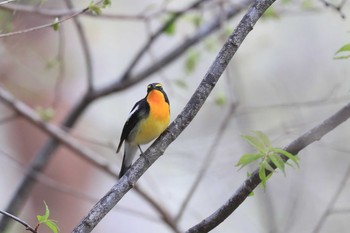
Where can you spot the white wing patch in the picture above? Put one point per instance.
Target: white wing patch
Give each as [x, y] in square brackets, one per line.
[133, 111]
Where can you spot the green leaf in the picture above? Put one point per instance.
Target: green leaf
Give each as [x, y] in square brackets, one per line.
[268, 166]
[264, 138]
[341, 57]
[345, 49]
[52, 225]
[106, 3]
[191, 61]
[287, 154]
[171, 25]
[256, 143]
[94, 9]
[56, 24]
[44, 218]
[247, 159]
[278, 162]
[251, 194]
[262, 175]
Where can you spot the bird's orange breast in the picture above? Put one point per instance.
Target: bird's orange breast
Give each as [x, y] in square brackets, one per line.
[158, 119]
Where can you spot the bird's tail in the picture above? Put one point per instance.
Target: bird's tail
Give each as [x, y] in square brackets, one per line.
[129, 154]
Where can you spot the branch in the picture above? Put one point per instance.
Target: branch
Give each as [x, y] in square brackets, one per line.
[53, 13]
[28, 227]
[5, 2]
[85, 47]
[46, 152]
[328, 210]
[253, 181]
[197, 100]
[71, 143]
[48, 25]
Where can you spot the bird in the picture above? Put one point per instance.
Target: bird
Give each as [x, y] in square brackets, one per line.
[148, 118]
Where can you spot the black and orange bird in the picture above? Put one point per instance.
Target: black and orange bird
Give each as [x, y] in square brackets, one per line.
[147, 120]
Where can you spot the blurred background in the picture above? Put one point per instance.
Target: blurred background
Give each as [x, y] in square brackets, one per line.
[283, 81]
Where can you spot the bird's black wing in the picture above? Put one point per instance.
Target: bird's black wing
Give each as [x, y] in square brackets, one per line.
[138, 112]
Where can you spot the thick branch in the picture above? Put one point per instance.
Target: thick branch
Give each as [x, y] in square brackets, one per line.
[253, 181]
[86, 100]
[179, 124]
[67, 140]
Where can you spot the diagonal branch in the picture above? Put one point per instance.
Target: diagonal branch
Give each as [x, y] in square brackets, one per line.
[253, 181]
[69, 141]
[85, 47]
[197, 100]
[46, 152]
[28, 227]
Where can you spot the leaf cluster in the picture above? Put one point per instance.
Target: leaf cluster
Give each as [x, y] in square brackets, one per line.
[44, 219]
[270, 157]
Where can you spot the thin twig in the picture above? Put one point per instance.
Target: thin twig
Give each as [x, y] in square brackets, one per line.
[337, 8]
[28, 227]
[86, 48]
[331, 203]
[48, 25]
[61, 68]
[5, 2]
[52, 13]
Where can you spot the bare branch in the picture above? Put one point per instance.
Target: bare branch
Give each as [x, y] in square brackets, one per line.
[28, 227]
[61, 69]
[5, 2]
[52, 13]
[180, 123]
[85, 46]
[46, 152]
[253, 181]
[88, 155]
[338, 8]
[331, 203]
